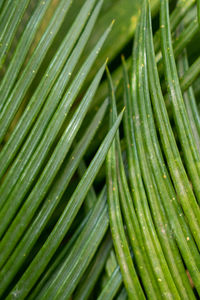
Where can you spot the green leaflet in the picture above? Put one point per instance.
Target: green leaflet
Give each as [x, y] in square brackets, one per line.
[16, 97]
[34, 165]
[111, 264]
[10, 27]
[167, 284]
[22, 50]
[40, 189]
[52, 199]
[53, 229]
[31, 275]
[146, 225]
[59, 256]
[49, 79]
[185, 37]
[64, 282]
[126, 14]
[51, 104]
[179, 12]
[191, 154]
[129, 214]
[112, 286]
[190, 101]
[129, 274]
[55, 264]
[91, 196]
[177, 172]
[176, 17]
[92, 273]
[4, 4]
[190, 75]
[178, 45]
[155, 174]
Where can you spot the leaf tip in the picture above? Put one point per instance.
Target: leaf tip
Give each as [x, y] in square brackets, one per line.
[113, 22]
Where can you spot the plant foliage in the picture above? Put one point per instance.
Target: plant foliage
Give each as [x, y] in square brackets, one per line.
[99, 173]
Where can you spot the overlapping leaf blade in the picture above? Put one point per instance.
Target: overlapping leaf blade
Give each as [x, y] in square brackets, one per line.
[51, 201]
[14, 100]
[191, 154]
[22, 50]
[153, 202]
[50, 121]
[54, 70]
[132, 224]
[40, 189]
[174, 162]
[129, 274]
[64, 282]
[10, 27]
[32, 274]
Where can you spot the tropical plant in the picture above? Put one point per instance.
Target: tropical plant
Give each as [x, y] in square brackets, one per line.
[96, 204]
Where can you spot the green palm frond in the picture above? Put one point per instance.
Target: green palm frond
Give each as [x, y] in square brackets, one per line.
[93, 207]
[38, 145]
[116, 224]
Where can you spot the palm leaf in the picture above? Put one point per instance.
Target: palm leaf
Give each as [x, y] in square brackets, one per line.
[94, 270]
[189, 99]
[44, 133]
[53, 71]
[157, 195]
[63, 282]
[182, 122]
[14, 13]
[52, 199]
[119, 239]
[22, 50]
[72, 227]
[13, 101]
[172, 155]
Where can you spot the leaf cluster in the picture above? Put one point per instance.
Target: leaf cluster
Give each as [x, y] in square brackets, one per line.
[99, 171]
